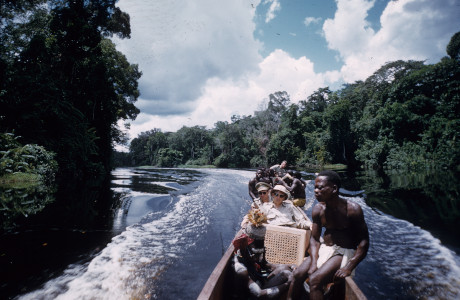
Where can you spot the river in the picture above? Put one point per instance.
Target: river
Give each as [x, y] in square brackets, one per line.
[167, 229]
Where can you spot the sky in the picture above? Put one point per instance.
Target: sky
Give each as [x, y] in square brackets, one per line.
[204, 61]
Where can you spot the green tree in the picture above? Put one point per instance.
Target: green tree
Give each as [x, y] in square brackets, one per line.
[156, 141]
[453, 48]
[65, 86]
[139, 149]
[191, 141]
[169, 157]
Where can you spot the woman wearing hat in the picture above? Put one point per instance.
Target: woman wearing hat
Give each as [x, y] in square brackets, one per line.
[284, 213]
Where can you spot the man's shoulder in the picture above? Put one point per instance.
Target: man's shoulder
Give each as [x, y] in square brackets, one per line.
[320, 205]
[352, 205]
[318, 208]
[354, 209]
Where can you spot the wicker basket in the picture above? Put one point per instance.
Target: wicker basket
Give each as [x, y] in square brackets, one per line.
[285, 245]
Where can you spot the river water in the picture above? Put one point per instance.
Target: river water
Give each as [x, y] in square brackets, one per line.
[170, 227]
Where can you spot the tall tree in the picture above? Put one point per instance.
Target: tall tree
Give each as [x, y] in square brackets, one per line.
[66, 86]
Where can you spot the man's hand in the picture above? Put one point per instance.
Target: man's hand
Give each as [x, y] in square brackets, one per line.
[342, 273]
[278, 269]
[312, 269]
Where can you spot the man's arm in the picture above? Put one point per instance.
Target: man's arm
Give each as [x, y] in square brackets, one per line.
[252, 189]
[315, 237]
[360, 229]
[301, 221]
[289, 188]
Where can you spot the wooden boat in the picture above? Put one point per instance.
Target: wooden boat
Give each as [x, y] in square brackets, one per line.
[219, 284]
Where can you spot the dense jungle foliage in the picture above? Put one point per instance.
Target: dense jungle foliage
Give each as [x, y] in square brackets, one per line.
[63, 85]
[404, 116]
[25, 162]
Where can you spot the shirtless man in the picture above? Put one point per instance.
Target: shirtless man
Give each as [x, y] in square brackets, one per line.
[297, 189]
[346, 239]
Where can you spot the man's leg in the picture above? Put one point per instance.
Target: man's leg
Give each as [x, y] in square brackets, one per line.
[300, 275]
[283, 272]
[323, 275]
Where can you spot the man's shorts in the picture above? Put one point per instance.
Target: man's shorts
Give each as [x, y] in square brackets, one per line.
[299, 202]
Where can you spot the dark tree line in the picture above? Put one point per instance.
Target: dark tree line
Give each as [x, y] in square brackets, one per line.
[404, 116]
[63, 84]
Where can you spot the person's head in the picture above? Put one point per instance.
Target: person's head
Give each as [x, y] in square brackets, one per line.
[263, 189]
[241, 242]
[283, 164]
[259, 173]
[279, 194]
[327, 185]
[297, 175]
[266, 172]
[332, 176]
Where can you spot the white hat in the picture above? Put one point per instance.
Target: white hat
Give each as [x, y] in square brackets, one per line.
[282, 188]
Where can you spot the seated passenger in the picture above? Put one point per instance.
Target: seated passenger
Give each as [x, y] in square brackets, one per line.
[259, 203]
[344, 244]
[255, 277]
[282, 212]
[297, 188]
[263, 189]
[252, 183]
[280, 170]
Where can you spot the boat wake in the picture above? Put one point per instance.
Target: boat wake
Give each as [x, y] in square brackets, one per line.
[132, 264]
[410, 258]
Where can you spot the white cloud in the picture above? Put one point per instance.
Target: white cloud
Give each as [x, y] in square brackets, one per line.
[222, 98]
[410, 29]
[311, 20]
[274, 7]
[179, 45]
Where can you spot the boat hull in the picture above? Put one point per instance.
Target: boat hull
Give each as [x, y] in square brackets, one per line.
[219, 283]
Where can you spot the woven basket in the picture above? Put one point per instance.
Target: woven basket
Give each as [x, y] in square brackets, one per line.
[285, 245]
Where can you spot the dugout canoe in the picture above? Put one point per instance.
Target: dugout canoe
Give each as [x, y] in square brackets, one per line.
[219, 283]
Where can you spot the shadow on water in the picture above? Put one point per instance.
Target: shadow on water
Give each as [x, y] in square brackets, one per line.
[430, 200]
[56, 227]
[44, 230]
[23, 200]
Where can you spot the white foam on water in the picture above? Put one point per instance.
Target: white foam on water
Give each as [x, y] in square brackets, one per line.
[412, 256]
[121, 270]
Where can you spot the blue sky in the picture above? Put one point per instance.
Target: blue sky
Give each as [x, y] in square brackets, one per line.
[297, 29]
[288, 31]
[206, 60]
